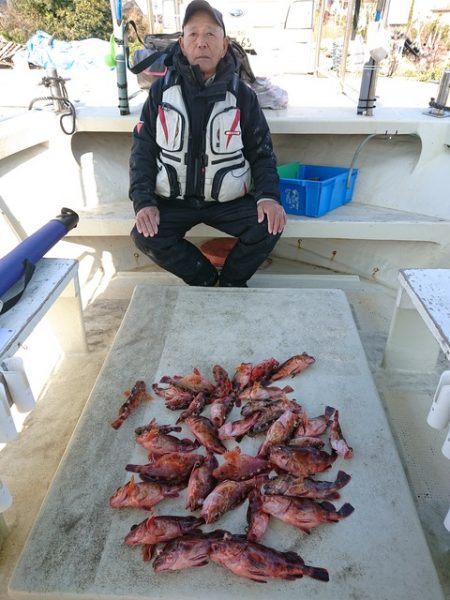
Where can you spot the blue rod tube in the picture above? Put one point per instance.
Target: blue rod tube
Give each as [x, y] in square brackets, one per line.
[34, 247]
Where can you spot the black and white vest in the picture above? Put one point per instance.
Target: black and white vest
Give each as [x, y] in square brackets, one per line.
[226, 173]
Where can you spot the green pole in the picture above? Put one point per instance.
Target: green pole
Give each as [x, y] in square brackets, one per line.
[121, 65]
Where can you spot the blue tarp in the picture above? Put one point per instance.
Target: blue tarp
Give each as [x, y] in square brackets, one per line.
[44, 51]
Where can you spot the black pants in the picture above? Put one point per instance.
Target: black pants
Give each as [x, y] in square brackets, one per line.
[237, 218]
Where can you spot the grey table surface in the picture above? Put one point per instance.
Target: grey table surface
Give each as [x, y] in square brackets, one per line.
[76, 548]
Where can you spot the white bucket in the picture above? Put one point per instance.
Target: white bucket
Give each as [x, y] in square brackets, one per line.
[439, 415]
[447, 521]
[18, 384]
[8, 431]
[5, 497]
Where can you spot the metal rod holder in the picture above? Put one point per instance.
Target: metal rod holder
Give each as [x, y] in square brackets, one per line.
[439, 107]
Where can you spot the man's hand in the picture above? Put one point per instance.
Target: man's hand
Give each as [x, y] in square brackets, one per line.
[276, 217]
[147, 221]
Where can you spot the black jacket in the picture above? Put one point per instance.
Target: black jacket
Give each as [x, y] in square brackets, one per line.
[199, 101]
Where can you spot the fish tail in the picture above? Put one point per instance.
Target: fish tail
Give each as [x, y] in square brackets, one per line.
[117, 423]
[133, 468]
[345, 510]
[329, 411]
[316, 573]
[342, 479]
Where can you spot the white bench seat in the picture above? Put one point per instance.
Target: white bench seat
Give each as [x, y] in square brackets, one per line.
[422, 308]
[351, 221]
[420, 328]
[53, 284]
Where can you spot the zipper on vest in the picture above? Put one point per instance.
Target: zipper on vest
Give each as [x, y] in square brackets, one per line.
[170, 157]
[227, 159]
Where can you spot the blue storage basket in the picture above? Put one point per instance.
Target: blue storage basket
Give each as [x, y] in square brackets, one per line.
[313, 190]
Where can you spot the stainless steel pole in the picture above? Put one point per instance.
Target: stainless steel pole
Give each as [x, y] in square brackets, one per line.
[347, 35]
[319, 37]
[178, 14]
[150, 17]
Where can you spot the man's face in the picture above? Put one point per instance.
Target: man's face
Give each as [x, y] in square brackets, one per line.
[203, 43]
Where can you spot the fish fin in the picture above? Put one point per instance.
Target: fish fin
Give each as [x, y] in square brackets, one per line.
[188, 441]
[328, 506]
[117, 423]
[147, 552]
[294, 557]
[202, 563]
[332, 496]
[345, 510]
[171, 494]
[126, 393]
[232, 455]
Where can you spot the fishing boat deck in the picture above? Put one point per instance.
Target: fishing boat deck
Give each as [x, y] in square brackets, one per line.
[79, 540]
[30, 462]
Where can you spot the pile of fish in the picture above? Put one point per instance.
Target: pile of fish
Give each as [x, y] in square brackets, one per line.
[278, 481]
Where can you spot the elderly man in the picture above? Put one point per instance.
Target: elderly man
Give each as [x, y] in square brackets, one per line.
[202, 153]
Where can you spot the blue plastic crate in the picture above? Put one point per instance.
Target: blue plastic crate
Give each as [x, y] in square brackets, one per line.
[313, 190]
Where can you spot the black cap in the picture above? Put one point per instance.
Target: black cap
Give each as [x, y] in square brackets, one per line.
[198, 5]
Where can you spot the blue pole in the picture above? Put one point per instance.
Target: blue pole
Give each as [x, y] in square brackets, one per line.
[34, 247]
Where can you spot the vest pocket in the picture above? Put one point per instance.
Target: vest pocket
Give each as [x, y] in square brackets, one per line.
[225, 132]
[169, 128]
[167, 184]
[231, 182]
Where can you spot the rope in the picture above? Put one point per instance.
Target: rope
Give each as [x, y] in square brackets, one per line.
[434, 104]
[70, 112]
[63, 99]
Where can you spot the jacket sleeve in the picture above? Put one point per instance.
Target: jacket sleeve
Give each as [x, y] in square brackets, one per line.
[144, 153]
[258, 149]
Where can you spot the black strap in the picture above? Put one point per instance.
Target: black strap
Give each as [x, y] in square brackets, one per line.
[28, 273]
[144, 64]
[148, 61]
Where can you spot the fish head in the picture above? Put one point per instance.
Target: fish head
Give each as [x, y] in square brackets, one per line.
[122, 493]
[136, 534]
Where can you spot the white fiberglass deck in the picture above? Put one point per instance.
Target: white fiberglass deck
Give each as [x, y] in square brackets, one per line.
[75, 549]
